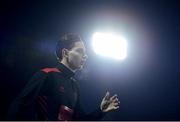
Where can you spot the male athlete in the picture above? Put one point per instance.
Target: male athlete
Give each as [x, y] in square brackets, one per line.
[53, 93]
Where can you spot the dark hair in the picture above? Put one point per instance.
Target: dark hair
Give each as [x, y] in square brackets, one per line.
[66, 41]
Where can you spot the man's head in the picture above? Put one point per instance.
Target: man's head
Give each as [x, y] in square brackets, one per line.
[70, 50]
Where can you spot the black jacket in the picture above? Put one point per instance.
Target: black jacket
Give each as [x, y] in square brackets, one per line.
[51, 94]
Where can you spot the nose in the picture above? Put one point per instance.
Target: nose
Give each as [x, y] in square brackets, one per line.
[85, 57]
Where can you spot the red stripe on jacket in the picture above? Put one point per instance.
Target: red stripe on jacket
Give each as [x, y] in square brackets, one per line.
[47, 70]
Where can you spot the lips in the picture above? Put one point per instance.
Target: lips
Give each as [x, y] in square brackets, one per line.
[82, 62]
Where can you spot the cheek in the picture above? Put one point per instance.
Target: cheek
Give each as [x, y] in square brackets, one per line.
[75, 57]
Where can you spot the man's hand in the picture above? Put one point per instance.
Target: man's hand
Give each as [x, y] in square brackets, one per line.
[108, 103]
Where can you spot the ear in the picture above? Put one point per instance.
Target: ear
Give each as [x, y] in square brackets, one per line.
[64, 52]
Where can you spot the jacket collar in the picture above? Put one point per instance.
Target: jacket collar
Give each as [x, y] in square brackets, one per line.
[66, 72]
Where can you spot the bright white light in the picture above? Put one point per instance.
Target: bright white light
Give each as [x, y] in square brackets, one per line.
[110, 45]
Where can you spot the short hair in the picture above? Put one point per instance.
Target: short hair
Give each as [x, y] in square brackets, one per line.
[66, 41]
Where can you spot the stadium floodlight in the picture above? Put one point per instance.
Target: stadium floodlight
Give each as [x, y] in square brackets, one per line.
[110, 45]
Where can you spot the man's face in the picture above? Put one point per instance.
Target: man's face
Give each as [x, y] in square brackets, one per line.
[77, 56]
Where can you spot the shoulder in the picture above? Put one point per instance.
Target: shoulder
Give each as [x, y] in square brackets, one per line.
[42, 74]
[51, 73]
[49, 70]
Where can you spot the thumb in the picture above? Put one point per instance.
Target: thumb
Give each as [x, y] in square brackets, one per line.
[107, 95]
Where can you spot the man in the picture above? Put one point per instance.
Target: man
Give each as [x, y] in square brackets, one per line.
[53, 93]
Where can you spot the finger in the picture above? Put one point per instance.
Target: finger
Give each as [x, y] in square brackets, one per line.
[107, 95]
[115, 104]
[113, 97]
[116, 101]
[116, 107]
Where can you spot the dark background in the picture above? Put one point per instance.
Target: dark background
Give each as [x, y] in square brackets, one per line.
[147, 81]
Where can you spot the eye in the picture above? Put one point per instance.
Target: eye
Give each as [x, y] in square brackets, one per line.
[81, 51]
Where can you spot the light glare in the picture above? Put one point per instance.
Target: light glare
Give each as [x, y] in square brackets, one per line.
[110, 45]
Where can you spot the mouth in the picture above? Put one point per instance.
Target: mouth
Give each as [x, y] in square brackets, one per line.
[82, 62]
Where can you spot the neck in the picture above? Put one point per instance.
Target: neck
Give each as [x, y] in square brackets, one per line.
[65, 63]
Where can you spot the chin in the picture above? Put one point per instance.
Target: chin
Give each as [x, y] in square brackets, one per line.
[80, 67]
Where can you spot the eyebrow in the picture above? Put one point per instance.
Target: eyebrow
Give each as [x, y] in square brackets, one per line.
[81, 49]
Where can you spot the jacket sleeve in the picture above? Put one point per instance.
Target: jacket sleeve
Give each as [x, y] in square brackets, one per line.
[79, 113]
[21, 108]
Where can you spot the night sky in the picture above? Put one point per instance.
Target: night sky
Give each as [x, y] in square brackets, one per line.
[147, 81]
